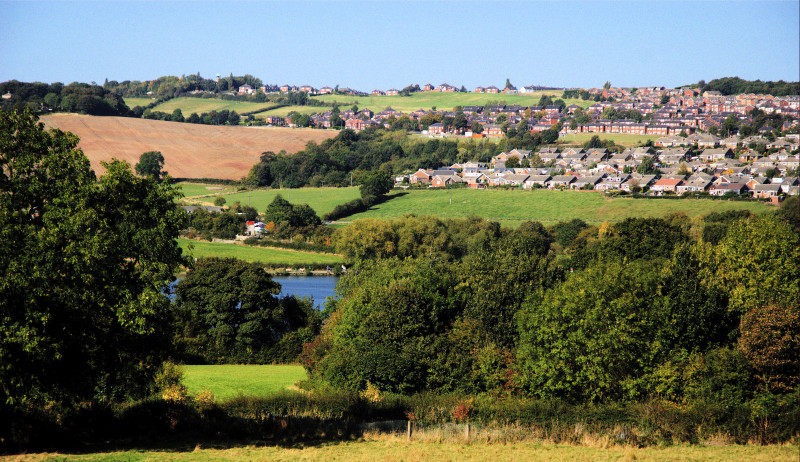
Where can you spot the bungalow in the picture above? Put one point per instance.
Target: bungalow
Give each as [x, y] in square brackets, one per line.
[561, 181]
[666, 185]
[441, 181]
[540, 180]
[587, 182]
[720, 189]
[694, 184]
[709, 155]
[766, 191]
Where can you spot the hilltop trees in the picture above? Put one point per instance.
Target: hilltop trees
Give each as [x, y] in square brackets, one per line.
[83, 264]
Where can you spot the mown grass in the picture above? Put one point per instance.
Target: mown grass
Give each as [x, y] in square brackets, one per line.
[443, 101]
[200, 105]
[512, 207]
[264, 255]
[284, 111]
[622, 139]
[133, 102]
[322, 200]
[382, 447]
[231, 380]
[201, 189]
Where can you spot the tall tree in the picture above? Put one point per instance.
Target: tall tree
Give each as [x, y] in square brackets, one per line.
[83, 264]
[151, 164]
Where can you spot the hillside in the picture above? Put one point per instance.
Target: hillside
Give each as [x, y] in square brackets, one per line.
[190, 150]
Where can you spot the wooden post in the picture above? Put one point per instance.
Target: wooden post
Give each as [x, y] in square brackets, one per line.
[408, 432]
[466, 430]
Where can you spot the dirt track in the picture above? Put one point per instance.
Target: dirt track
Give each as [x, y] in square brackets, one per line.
[190, 150]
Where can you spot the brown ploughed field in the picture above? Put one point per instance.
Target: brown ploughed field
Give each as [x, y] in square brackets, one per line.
[190, 150]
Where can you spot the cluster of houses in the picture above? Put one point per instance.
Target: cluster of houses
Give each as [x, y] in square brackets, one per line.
[715, 170]
[686, 111]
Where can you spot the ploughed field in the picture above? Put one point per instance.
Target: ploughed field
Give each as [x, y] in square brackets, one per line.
[190, 150]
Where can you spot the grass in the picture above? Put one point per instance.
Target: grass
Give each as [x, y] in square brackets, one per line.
[231, 380]
[201, 189]
[512, 207]
[322, 200]
[264, 255]
[200, 105]
[443, 101]
[284, 111]
[622, 139]
[133, 102]
[383, 447]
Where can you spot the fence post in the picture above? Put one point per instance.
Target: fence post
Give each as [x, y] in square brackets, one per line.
[466, 430]
[408, 432]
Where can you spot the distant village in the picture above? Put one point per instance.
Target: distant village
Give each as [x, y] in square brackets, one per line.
[688, 157]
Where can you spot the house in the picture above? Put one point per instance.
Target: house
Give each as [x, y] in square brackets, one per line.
[420, 176]
[766, 191]
[537, 181]
[666, 185]
[246, 90]
[587, 182]
[275, 120]
[561, 181]
[710, 155]
[694, 184]
[441, 181]
[720, 189]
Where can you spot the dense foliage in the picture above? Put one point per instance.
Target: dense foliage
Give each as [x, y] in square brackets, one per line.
[735, 85]
[83, 262]
[75, 97]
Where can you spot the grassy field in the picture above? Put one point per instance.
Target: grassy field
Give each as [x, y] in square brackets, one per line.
[446, 101]
[512, 207]
[201, 189]
[200, 105]
[190, 150]
[133, 102]
[231, 380]
[322, 200]
[284, 111]
[622, 139]
[264, 255]
[395, 448]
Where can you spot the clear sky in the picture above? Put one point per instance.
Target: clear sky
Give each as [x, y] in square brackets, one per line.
[376, 44]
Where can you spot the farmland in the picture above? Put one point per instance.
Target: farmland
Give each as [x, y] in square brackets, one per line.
[133, 102]
[263, 255]
[390, 447]
[190, 150]
[202, 189]
[200, 105]
[622, 139]
[443, 101]
[285, 110]
[322, 200]
[512, 207]
[231, 380]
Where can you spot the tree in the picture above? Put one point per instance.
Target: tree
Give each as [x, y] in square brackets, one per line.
[230, 311]
[477, 127]
[83, 264]
[376, 184]
[151, 163]
[647, 167]
[607, 85]
[512, 162]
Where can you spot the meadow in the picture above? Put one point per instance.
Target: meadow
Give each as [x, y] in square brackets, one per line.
[322, 200]
[133, 102]
[393, 447]
[189, 105]
[443, 101]
[622, 139]
[285, 110]
[202, 189]
[263, 255]
[512, 207]
[231, 380]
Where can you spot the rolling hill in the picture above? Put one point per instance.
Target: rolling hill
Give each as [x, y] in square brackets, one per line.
[190, 150]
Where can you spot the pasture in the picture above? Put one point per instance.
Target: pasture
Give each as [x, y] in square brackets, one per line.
[133, 102]
[201, 189]
[392, 447]
[622, 139]
[231, 380]
[512, 207]
[190, 150]
[264, 255]
[285, 110]
[322, 200]
[189, 105]
[443, 101]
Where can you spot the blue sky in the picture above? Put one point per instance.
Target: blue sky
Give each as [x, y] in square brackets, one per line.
[377, 44]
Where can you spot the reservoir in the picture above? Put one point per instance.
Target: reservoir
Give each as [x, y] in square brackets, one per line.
[317, 287]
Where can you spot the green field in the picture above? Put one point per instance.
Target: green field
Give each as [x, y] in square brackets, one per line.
[231, 380]
[133, 102]
[284, 111]
[512, 207]
[621, 139]
[200, 189]
[322, 200]
[200, 105]
[396, 448]
[442, 101]
[264, 255]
